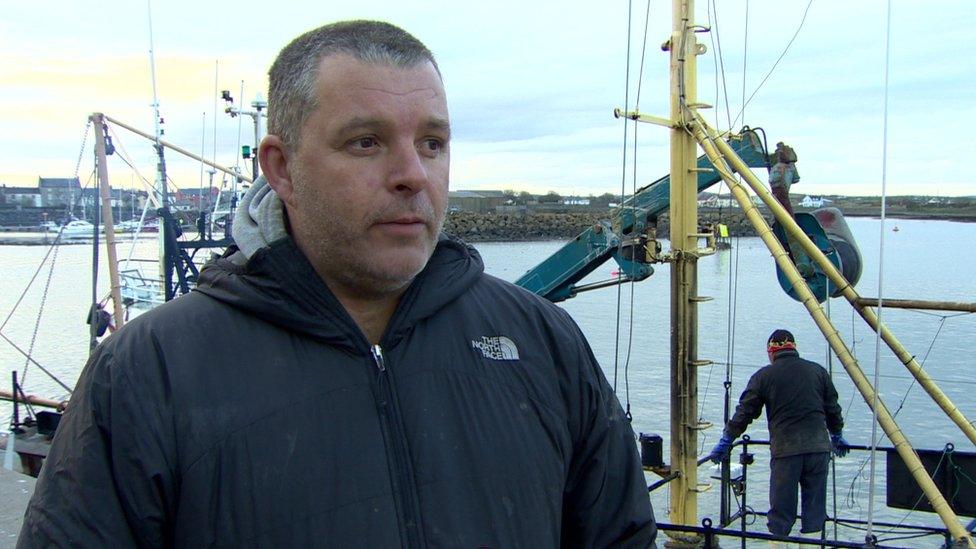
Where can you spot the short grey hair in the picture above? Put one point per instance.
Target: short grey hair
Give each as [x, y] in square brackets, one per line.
[295, 73]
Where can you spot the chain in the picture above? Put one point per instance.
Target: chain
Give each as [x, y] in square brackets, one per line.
[84, 141]
[40, 312]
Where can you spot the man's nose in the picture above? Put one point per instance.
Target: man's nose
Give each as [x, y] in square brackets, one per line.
[407, 170]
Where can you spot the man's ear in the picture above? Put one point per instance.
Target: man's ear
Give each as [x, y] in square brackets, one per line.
[274, 157]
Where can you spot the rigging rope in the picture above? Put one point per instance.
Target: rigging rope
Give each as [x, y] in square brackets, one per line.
[921, 364]
[716, 39]
[833, 462]
[745, 57]
[630, 325]
[30, 283]
[755, 366]
[623, 188]
[52, 249]
[125, 157]
[768, 74]
[880, 308]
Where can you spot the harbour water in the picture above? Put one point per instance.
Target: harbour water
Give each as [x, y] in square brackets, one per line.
[628, 328]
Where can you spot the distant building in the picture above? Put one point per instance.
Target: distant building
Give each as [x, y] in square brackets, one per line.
[197, 198]
[576, 201]
[93, 197]
[58, 191]
[21, 197]
[814, 202]
[715, 201]
[476, 201]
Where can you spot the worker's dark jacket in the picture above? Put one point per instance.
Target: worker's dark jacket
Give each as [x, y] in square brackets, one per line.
[253, 412]
[801, 405]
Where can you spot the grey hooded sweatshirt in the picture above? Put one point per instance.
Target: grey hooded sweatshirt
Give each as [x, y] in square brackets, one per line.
[254, 413]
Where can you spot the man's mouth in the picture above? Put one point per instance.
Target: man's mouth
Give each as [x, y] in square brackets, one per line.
[404, 225]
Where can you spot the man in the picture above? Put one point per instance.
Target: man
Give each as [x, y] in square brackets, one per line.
[801, 408]
[362, 382]
[783, 174]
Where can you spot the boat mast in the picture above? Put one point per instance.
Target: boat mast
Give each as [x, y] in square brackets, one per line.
[683, 508]
[161, 186]
[98, 120]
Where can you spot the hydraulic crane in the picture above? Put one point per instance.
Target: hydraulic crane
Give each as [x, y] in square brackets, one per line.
[625, 236]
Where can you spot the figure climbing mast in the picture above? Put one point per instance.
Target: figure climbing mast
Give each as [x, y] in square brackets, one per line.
[783, 174]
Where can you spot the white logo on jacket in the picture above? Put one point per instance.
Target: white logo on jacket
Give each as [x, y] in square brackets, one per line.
[497, 348]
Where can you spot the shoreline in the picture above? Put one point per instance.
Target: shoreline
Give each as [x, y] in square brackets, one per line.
[533, 227]
[960, 218]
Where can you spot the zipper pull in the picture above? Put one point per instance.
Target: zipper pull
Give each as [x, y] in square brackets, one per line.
[378, 357]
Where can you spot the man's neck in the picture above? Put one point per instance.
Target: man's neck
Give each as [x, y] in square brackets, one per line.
[371, 315]
[371, 310]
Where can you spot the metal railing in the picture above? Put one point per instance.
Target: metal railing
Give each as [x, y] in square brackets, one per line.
[739, 486]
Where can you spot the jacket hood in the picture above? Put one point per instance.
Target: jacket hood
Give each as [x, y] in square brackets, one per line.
[273, 280]
[259, 219]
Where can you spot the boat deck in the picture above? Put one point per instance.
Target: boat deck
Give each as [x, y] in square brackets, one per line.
[16, 489]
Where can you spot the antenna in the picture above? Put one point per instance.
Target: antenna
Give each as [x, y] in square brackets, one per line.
[157, 120]
[164, 272]
[259, 110]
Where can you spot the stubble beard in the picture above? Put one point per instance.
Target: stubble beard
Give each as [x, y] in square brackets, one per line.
[338, 247]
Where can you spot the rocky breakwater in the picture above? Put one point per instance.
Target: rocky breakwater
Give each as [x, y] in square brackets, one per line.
[735, 220]
[474, 227]
[514, 227]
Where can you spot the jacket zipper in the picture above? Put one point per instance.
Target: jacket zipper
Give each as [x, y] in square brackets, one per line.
[390, 416]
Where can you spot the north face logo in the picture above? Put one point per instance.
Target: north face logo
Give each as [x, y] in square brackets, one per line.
[497, 348]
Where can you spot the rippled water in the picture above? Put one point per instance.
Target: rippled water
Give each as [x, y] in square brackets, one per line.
[929, 260]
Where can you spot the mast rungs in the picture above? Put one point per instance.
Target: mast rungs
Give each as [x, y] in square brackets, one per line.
[701, 362]
[702, 487]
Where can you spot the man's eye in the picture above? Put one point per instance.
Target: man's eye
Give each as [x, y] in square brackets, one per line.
[433, 145]
[364, 142]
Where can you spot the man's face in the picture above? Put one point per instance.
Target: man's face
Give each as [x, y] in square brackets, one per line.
[370, 175]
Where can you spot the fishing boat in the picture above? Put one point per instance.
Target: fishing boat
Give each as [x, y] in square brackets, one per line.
[821, 243]
[77, 229]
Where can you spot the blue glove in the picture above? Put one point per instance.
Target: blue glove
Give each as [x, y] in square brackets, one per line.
[722, 449]
[839, 445]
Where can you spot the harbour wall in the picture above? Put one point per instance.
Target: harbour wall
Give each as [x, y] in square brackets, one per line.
[474, 227]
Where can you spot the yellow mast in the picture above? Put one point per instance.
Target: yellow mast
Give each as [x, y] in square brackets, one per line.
[98, 120]
[683, 211]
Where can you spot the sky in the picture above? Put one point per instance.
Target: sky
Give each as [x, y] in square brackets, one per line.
[531, 86]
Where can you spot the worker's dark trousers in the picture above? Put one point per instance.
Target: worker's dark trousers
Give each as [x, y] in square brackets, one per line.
[810, 472]
[782, 196]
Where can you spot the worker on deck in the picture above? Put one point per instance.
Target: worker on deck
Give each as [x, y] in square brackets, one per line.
[783, 174]
[801, 408]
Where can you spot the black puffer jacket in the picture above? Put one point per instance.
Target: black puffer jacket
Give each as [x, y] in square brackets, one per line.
[801, 405]
[253, 412]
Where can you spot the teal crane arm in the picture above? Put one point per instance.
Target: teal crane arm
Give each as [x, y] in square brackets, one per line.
[556, 277]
